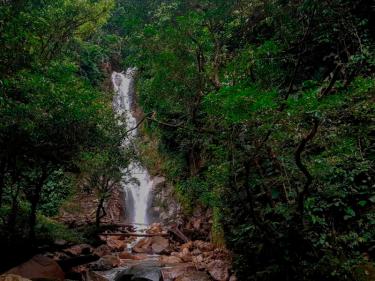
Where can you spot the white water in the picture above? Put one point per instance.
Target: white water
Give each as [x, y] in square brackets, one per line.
[137, 184]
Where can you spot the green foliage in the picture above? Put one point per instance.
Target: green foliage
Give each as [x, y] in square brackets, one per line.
[236, 89]
[48, 231]
[56, 190]
[52, 113]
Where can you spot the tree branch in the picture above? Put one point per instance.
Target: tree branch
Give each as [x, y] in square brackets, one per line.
[297, 157]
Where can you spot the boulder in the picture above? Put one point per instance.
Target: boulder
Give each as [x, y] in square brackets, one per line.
[185, 255]
[142, 271]
[12, 277]
[77, 250]
[105, 263]
[143, 246]
[189, 245]
[203, 246]
[199, 262]
[159, 244]
[102, 250]
[193, 276]
[172, 272]
[219, 270]
[115, 244]
[151, 245]
[39, 267]
[130, 256]
[94, 276]
[155, 228]
[167, 260]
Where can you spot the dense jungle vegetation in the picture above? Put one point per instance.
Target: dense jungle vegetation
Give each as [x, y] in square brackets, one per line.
[263, 111]
[55, 121]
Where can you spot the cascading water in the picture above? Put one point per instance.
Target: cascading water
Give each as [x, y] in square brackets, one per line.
[138, 184]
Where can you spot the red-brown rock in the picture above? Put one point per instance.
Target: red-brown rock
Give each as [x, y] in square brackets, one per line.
[189, 245]
[77, 250]
[115, 244]
[130, 256]
[168, 260]
[159, 244]
[185, 255]
[203, 246]
[102, 250]
[193, 276]
[39, 267]
[151, 245]
[12, 277]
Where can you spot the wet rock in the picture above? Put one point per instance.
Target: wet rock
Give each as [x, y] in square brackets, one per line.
[12, 277]
[159, 244]
[219, 270]
[94, 276]
[105, 263]
[155, 228]
[151, 245]
[140, 272]
[171, 273]
[130, 256]
[194, 276]
[39, 267]
[170, 260]
[102, 250]
[57, 256]
[115, 244]
[77, 250]
[199, 262]
[143, 246]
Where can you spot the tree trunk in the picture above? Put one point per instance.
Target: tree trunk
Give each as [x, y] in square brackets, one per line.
[35, 198]
[99, 209]
[12, 218]
[309, 179]
[2, 175]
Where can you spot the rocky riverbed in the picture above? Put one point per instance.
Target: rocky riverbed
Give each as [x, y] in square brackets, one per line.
[122, 256]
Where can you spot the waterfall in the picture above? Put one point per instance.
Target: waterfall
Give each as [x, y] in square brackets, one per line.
[137, 181]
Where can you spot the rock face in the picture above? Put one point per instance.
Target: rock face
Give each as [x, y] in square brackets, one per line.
[164, 204]
[39, 267]
[81, 209]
